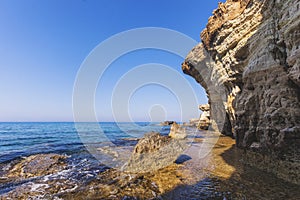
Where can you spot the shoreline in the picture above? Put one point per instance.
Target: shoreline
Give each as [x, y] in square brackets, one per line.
[221, 174]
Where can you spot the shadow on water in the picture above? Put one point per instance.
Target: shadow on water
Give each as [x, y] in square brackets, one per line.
[230, 178]
[182, 158]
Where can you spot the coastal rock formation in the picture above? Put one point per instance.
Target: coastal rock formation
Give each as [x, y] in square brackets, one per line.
[151, 142]
[177, 132]
[249, 64]
[204, 117]
[154, 152]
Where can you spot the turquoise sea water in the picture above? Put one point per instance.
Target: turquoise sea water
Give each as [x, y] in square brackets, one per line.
[28, 138]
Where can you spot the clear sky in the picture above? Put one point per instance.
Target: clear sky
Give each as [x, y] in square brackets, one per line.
[43, 43]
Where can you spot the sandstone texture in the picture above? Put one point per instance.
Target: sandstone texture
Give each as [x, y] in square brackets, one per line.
[249, 64]
[154, 152]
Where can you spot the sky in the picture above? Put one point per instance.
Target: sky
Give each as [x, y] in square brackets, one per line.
[44, 43]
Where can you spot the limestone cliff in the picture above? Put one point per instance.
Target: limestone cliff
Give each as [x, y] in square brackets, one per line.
[249, 64]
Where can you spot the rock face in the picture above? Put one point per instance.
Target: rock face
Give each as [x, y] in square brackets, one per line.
[249, 64]
[154, 152]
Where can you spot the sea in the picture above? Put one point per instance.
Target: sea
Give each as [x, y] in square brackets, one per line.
[19, 139]
[22, 139]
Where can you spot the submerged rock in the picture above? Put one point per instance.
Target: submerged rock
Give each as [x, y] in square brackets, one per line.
[154, 152]
[38, 165]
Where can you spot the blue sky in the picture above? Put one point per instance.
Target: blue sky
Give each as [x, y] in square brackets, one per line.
[43, 43]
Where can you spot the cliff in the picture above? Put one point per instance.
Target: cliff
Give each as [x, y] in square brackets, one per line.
[249, 64]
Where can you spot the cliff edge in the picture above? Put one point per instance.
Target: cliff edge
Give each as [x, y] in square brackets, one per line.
[249, 64]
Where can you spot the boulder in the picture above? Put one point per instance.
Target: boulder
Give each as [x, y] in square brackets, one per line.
[177, 132]
[154, 152]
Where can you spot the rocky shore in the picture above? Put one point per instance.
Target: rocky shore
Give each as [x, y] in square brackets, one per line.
[249, 64]
[222, 174]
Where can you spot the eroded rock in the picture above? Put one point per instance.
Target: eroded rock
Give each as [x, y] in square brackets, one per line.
[154, 152]
[248, 63]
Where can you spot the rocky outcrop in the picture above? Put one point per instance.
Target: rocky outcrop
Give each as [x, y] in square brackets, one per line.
[177, 132]
[204, 121]
[154, 152]
[249, 64]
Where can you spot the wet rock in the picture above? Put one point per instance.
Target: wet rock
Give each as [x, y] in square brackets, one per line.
[177, 132]
[38, 165]
[167, 123]
[153, 152]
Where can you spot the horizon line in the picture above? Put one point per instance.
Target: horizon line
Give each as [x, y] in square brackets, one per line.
[83, 121]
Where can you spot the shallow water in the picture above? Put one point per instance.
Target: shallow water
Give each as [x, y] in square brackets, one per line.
[24, 139]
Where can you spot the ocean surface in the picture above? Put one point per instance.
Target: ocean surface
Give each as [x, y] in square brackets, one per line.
[18, 139]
